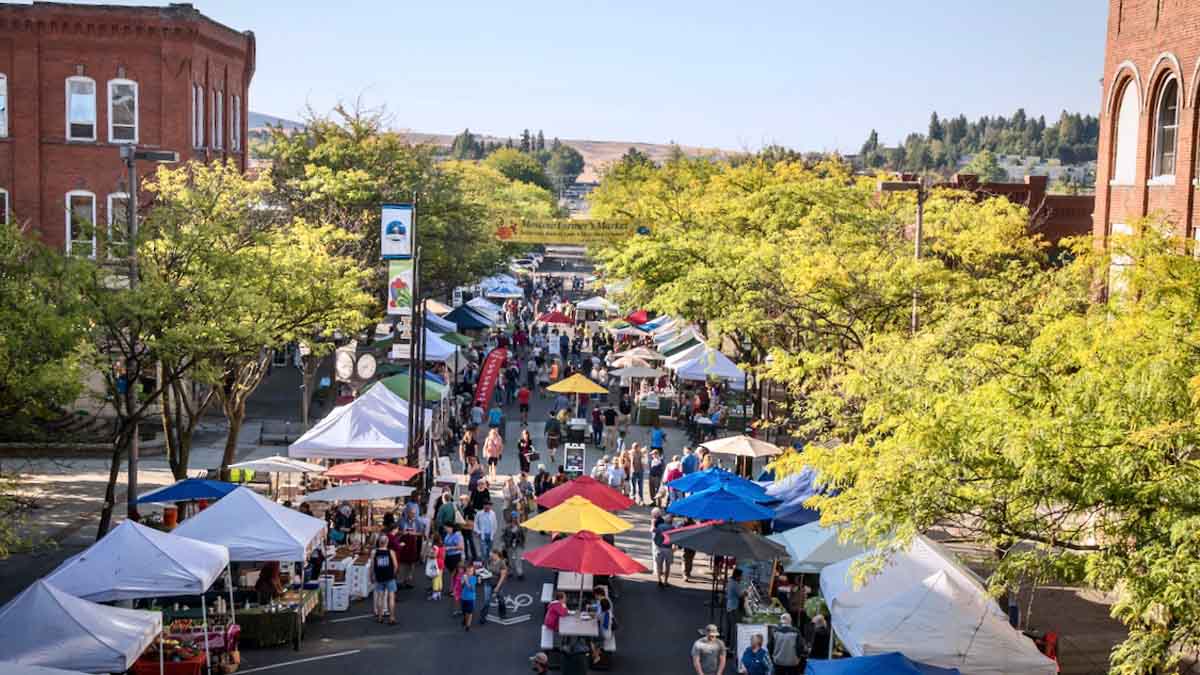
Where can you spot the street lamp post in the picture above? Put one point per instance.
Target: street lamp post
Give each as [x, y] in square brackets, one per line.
[922, 191]
[130, 156]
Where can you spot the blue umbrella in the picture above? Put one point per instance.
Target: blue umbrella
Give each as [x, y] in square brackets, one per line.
[720, 503]
[716, 476]
[793, 491]
[188, 490]
[892, 663]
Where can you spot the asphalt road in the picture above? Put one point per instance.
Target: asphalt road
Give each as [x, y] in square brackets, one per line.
[657, 626]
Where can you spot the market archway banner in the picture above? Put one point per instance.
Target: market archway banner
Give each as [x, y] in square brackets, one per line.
[567, 231]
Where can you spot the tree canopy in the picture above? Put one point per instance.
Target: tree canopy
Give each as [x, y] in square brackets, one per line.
[1023, 415]
[519, 166]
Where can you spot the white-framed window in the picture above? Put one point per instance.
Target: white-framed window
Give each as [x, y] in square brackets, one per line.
[5, 208]
[122, 111]
[197, 116]
[117, 245]
[1124, 171]
[81, 223]
[218, 118]
[3, 105]
[81, 109]
[235, 123]
[1166, 128]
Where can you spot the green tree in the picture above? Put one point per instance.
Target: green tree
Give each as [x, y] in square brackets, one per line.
[565, 164]
[936, 132]
[985, 165]
[519, 166]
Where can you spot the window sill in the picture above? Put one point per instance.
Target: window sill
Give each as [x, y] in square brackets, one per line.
[1161, 181]
[1113, 183]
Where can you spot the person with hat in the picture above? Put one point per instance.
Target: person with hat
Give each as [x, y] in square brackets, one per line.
[708, 653]
[539, 663]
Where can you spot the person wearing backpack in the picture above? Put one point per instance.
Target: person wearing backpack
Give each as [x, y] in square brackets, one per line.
[789, 650]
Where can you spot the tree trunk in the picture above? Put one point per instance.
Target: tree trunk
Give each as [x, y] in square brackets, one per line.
[120, 446]
[235, 416]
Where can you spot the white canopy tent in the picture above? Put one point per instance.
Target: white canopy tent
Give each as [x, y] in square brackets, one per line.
[627, 331]
[135, 561]
[486, 308]
[364, 491]
[711, 364]
[686, 356]
[598, 304]
[254, 528]
[45, 626]
[641, 353]
[636, 371]
[10, 668]
[437, 349]
[812, 548]
[375, 425]
[278, 464]
[928, 605]
[504, 292]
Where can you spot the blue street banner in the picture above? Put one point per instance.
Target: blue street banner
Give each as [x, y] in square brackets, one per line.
[396, 229]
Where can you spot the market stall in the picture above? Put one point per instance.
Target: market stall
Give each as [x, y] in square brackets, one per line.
[374, 425]
[811, 548]
[932, 607]
[44, 626]
[279, 465]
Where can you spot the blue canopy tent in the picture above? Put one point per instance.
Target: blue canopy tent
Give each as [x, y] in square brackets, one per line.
[467, 319]
[716, 476]
[720, 503]
[892, 663]
[792, 491]
[188, 490]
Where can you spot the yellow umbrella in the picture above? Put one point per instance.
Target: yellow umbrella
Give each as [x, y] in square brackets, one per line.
[575, 515]
[576, 384]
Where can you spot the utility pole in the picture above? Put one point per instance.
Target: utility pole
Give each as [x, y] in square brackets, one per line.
[130, 155]
[922, 191]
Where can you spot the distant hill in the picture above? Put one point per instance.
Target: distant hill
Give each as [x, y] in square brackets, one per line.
[596, 154]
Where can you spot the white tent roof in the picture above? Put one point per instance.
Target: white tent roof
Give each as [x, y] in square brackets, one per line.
[358, 491]
[437, 349]
[710, 364]
[10, 668]
[929, 605]
[44, 626]
[636, 371]
[374, 425]
[134, 561]
[628, 331]
[254, 528]
[485, 307]
[641, 353]
[278, 464]
[597, 304]
[686, 356]
[503, 292]
[812, 548]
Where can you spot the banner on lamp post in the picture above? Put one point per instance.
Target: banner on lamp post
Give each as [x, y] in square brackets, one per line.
[396, 230]
[400, 287]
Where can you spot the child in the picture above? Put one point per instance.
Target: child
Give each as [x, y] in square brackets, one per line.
[456, 585]
[467, 586]
[438, 555]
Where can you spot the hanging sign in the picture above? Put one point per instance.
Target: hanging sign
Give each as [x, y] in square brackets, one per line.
[395, 234]
[399, 288]
[567, 231]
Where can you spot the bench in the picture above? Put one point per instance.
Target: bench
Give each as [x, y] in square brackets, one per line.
[547, 593]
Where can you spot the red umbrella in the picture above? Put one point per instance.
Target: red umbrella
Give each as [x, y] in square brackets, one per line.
[584, 553]
[590, 489]
[555, 317]
[370, 469]
[638, 318]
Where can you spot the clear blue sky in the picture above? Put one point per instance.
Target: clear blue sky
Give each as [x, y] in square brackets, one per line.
[809, 74]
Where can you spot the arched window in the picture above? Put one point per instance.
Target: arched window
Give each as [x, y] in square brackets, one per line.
[81, 223]
[1166, 127]
[1124, 166]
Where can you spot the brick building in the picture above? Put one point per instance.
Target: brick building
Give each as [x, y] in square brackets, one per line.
[1050, 215]
[1148, 117]
[79, 81]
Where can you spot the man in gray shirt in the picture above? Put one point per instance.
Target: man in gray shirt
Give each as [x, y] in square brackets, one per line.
[708, 653]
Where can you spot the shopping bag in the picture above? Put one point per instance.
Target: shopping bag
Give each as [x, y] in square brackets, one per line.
[431, 568]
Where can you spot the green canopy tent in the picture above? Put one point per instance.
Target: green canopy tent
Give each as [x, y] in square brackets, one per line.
[675, 349]
[457, 339]
[399, 384]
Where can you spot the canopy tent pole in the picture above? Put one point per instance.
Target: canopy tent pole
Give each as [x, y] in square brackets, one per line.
[204, 614]
[162, 668]
[229, 585]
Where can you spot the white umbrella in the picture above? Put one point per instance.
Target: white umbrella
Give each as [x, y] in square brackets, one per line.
[742, 446]
[278, 464]
[358, 492]
[636, 371]
[812, 548]
[630, 361]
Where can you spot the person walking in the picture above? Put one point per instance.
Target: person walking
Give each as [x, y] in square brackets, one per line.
[658, 438]
[597, 426]
[657, 466]
[525, 450]
[513, 539]
[637, 473]
[437, 555]
[485, 528]
[525, 486]
[493, 585]
[790, 652]
[452, 542]
[755, 659]
[466, 525]
[708, 653]
[663, 555]
[523, 396]
[467, 587]
[383, 576]
[735, 593]
[493, 450]
[467, 447]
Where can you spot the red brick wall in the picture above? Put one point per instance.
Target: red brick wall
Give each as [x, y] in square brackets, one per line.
[1053, 216]
[163, 49]
[1147, 41]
